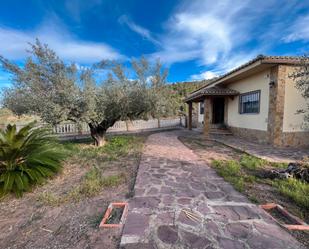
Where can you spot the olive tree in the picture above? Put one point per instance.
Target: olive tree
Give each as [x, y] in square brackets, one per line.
[56, 91]
[301, 77]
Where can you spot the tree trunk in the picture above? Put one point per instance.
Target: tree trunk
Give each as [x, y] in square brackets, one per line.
[98, 130]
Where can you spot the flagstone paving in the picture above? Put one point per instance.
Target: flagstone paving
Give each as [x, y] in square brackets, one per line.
[171, 180]
[263, 151]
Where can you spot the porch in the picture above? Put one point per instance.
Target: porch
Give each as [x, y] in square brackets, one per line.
[214, 102]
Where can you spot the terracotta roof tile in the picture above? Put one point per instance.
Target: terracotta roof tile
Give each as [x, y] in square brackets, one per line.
[212, 91]
[263, 58]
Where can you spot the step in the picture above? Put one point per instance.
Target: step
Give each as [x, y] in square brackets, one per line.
[220, 132]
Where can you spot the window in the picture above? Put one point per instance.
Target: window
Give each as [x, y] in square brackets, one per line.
[249, 102]
[201, 107]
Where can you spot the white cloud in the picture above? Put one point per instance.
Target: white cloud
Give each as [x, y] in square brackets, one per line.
[203, 31]
[215, 33]
[13, 44]
[299, 30]
[225, 65]
[76, 8]
[145, 33]
[204, 75]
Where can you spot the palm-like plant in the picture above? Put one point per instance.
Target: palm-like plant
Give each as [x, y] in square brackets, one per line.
[27, 157]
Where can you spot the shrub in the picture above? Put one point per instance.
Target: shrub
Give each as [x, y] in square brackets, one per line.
[27, 157]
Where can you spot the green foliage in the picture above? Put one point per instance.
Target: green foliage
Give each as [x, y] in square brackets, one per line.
[27, 157]
[236, 174]
[93, 183]
[118, 146]
[231, 172]
[251, 162]
[227, 168]
[301, 78]
[115, 148]
[57, 91]
[296, 190]
[177, 92]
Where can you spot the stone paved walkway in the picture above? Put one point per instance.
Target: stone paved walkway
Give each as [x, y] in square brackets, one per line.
[171, 179]
[264, 151]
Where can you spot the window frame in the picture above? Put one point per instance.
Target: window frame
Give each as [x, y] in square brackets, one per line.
[248, 93]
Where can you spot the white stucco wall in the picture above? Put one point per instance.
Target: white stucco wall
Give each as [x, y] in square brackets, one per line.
[259, 81]
[293, 101]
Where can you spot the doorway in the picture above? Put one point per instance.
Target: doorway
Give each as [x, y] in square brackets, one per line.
[218, 110]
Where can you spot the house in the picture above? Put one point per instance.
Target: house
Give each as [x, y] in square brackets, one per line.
[257, 100]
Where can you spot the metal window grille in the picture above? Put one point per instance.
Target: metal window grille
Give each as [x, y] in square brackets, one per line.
[249, 102]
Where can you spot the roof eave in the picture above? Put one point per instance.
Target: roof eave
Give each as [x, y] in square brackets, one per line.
[203, 95]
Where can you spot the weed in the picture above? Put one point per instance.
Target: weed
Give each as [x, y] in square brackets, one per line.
[251, 162]
[230, 171]
[49, 199]
[94, 180]
[112, 181]
[279, 165]
[253, 199]
[227, 168]
[115, 148]
[249, 178]
[93, 183]
[237, 182]
[296, 190]
[95, 220]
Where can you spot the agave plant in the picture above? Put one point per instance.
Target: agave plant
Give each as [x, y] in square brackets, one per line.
[27, 157]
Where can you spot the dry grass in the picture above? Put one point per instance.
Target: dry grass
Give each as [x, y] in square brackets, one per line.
[70, 206]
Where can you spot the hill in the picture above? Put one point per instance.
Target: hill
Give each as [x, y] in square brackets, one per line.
[179, 90]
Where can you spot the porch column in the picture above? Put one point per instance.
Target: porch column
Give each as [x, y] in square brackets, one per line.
[190, 116]
[206, 116]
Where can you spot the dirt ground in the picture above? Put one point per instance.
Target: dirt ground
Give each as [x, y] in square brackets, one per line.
[259, 192]
[29, 223]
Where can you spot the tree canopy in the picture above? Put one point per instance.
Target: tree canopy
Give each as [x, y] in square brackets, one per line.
[301, 77]
[57, 91]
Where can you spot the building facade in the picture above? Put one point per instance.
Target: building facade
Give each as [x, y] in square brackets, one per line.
[258, 101]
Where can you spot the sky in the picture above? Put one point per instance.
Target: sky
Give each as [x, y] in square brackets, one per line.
[194, 39]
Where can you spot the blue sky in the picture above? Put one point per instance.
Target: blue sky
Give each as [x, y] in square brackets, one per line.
[194, 39]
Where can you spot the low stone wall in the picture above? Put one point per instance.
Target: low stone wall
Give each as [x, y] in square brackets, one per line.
[250, 134]
[288, 139]
[295, 139]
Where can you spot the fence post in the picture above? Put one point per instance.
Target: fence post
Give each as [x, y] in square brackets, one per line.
[127, 125]
[159, 125]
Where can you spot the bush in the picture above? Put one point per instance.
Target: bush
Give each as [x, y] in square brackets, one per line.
[27, 157]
